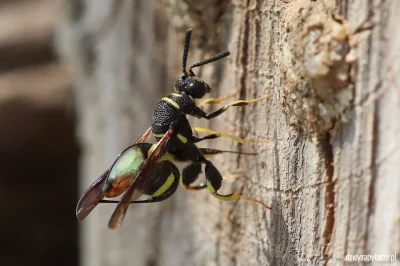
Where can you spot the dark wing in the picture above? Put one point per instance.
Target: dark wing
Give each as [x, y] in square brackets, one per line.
[145, 136]
[94, 194]
[119, 213]
[91, 197]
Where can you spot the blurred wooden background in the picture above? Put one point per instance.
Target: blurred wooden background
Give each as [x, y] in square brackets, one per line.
[332, 172]
[38, 149]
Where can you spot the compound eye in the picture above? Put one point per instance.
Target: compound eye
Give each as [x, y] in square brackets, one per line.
[197, 89]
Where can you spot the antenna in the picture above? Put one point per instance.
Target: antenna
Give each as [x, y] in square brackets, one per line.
[186, 49]
[201, 63]
[209, 60]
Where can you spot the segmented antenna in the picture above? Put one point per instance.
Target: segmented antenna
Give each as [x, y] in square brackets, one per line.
[209, 60]
[186, 49]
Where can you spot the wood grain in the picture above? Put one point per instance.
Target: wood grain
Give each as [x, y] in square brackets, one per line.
[334, 188]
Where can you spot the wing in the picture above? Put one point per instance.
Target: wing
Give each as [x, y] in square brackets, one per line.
[145, 136]
[119, 213]
[94, 194]
[91, 197]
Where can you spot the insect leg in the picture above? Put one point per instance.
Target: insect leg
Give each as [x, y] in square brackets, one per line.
[214, 180]
[236, 103]
[197, 112]
[213, 176]
[217, 100]
[214, 135]
[191, 172]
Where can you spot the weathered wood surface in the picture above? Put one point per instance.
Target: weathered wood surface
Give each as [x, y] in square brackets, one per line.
[332, 172]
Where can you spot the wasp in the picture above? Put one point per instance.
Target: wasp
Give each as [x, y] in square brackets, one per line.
[149, 169]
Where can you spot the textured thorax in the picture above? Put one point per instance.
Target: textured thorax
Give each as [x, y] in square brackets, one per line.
[170, 107]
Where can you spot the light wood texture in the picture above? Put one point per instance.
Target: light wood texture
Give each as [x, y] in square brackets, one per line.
[332, 172]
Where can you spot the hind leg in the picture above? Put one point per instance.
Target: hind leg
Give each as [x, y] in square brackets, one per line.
[191, 173]
[213, 176]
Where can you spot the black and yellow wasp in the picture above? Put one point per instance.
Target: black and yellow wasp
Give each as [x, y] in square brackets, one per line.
[148, 168]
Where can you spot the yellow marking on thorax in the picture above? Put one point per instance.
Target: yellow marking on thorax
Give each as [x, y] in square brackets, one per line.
[165, 186]
[168, 100]
[176, 94]
[182, 138]
[166, 157]
[158, 135]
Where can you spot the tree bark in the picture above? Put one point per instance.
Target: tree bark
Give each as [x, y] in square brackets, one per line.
[331, 173]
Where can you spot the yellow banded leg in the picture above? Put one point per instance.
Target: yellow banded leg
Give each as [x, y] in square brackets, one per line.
[204, 185]
[214, 135]
[218, 100]
[234, 196]
[237, 103]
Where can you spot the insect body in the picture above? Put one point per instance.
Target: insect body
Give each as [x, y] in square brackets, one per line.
[176, 106]
[181, 103]
[141, 169]
[148, 168]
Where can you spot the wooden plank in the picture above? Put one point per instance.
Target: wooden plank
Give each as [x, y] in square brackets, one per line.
[330, 174]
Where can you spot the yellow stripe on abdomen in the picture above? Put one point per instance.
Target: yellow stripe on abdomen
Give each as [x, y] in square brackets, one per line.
[168, 183]
[158, 135]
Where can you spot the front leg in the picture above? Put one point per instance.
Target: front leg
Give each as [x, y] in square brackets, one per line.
[197, 112]
[218, 100]
[214, 135]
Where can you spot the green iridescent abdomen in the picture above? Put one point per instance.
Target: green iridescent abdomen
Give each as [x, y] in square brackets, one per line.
[123, 171]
